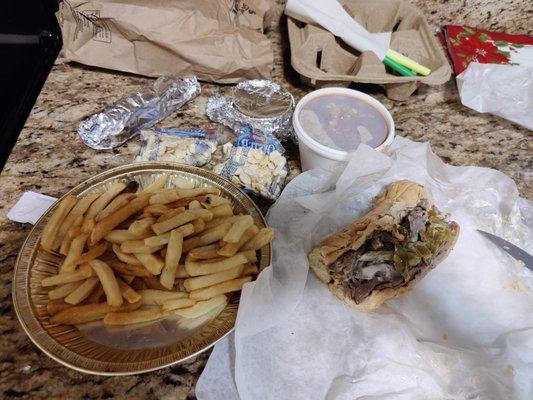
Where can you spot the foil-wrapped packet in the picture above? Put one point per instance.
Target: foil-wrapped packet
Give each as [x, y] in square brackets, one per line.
[141, 110]
[263, 104]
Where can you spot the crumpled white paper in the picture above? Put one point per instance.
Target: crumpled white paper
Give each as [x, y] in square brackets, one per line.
[503, 90]
[332, 16]
[30, 207]
[464, 332]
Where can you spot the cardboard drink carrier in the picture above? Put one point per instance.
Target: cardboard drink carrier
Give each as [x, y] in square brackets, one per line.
[323, 60]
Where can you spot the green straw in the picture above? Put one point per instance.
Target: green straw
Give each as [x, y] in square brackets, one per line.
[404, 71]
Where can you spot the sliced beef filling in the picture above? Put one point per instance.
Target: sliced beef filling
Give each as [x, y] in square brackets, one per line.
[372, 267]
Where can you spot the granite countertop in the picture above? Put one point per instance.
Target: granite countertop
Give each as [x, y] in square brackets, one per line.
[49, 158]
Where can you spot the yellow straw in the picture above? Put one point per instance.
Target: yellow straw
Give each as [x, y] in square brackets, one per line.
[407, 62]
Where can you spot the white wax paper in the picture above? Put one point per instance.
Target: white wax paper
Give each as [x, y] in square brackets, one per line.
[464, 332]
[503, 90]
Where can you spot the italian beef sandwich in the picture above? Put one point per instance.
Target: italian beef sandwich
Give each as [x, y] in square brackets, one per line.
[386, 251]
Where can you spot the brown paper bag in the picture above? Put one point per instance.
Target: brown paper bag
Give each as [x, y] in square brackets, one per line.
[216, 40]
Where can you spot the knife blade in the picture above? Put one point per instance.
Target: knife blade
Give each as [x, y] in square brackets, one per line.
[514, 251]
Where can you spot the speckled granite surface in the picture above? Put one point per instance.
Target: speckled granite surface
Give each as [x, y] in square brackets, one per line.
[49, 158]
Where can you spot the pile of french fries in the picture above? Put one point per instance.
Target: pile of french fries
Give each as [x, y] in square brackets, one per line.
[174, 250]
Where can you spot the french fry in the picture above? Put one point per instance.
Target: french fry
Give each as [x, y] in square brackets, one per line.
[158, 297]
[196, 269]
[134, 317]
[181, 219]
[212, 200]
[183, 202]
[109, 282]
[153, 283]
[157, 184]
[197, 191]
[177, 303]
[125, 258]
[200, 282]
[82, 292]
[73, 216]
[198, 225]
[165, 196]
[74, 253]
[151, 262]
[225, 287]
[74, 231]
[118, 236]
[93, 253]
[223, 210]
[127, 292]
[83, 272]
[219, 221]
[118, 202]
[250, 269]
[181, 272]
[88, 225]
[191, 324]
[103, 227]
[261, 239]
[238, 228]
[207, 237]
[63, 291]
[194, 205]
[141, 226]
[202, 307]
[170, 213]
[172, 259]
[96, 295]
[55, 306]
[156, 209]
[205, 252]
[182, 182]
[89, 312]
[230, 249]
[137, 246]
[161, 240]
[104, 199]
[53, 224]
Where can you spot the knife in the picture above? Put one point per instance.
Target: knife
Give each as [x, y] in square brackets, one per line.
[514, 251]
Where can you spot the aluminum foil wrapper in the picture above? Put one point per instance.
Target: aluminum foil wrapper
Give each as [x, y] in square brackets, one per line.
[263, 104]
[141, 110]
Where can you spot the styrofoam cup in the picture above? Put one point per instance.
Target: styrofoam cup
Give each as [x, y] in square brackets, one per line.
[314, 154]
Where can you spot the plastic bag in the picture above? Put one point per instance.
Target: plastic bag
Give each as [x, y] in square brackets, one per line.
[191, 147]
[503, 90]
[254, 161]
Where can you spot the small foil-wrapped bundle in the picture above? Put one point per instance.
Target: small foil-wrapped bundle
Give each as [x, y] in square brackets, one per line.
[262, 104]
[140, 110]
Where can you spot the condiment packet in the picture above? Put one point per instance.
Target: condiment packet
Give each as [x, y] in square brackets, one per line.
[30, 207]
[191, 147]
[255, 162]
